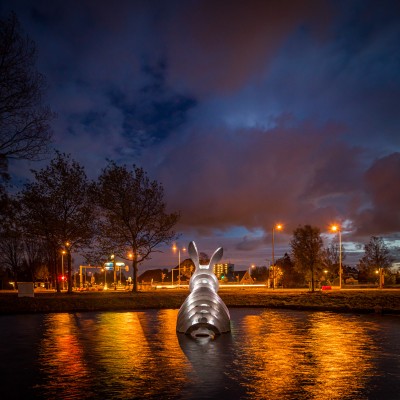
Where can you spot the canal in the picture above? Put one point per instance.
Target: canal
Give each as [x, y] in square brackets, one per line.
[270, 354]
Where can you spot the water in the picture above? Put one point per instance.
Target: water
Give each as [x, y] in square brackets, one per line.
[270, 354]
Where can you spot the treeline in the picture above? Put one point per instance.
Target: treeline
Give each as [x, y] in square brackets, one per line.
[122, 213]
[309, 262]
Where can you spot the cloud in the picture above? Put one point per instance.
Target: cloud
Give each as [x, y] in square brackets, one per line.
[248, 114]
[254, 178]
[219, 46]
[381, 183]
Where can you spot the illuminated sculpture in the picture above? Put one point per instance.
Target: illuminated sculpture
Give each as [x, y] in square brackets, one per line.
[203, 313]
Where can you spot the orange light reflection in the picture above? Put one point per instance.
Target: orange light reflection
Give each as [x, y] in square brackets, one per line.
[328, 354]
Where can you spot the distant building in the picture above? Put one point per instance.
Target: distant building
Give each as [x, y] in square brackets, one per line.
[184, 273]
[223, 270]
[151, 275]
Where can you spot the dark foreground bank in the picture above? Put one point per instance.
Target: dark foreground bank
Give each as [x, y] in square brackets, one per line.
[360, 301]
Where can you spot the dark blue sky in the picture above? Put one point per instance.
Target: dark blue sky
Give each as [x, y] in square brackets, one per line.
[249, 113]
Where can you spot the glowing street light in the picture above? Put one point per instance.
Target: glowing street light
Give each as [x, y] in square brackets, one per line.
[174, 249]
[336, 228]
[379, 271]
[63, 252]
[67, 251]
[105, 277]
[134, 256]
[277, 227]
[112, 256]
[252, 266]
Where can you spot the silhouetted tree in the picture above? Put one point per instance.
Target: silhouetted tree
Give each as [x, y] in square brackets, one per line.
[307, 248]
[331, 256]
[56, 209]
[260, 274]
[42, 273]
[20, 253]
[24, 120]
[11, 239]
[291, 277]
[34, 256]
[377, 255]
[133, 214]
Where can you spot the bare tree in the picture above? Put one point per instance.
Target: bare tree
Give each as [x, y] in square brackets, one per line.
[24, 120]
[56, 209]
[11, 252]
[376, 256]
[307, 247]
[331, 255]
[291, 277]
[34, 253]
[133, 214]
[11, 244]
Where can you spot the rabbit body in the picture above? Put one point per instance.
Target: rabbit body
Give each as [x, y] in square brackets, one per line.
[203, 313]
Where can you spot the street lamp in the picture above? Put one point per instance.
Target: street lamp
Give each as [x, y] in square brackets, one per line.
[120, 275]
[114, 269]
[105, 277]
[172, 272]
[277, 227]
[336, 228]
[69, 265]
[176, 248]
[62, 267]
[252, 266]
[379, 271]
[133, 259]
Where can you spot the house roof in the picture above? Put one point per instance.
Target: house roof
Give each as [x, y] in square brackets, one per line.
[151, 274]
[243, 276]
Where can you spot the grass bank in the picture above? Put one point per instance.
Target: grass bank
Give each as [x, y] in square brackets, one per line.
[359, 301]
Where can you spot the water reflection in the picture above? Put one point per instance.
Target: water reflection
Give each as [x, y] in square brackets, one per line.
[174, 361]
[211, 360]
[114, 350]
[305, 355]
[270, 354]
[61, 357]
[343, 360]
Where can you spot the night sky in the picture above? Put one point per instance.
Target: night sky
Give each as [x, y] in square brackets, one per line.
[248, 112]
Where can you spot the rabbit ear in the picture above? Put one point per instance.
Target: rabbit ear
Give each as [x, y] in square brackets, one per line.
[216, 257]
[193, 253]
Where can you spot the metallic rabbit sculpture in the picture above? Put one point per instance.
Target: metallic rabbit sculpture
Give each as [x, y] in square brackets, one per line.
[203, 313]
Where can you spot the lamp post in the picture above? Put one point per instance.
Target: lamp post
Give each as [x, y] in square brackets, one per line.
[252, 266]
[176, 248]
[379, 271]
[277, 227]
[130, 256]
[62, 267]
[69, 264]
[114, 269]
[105, 277]
[336, 228]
